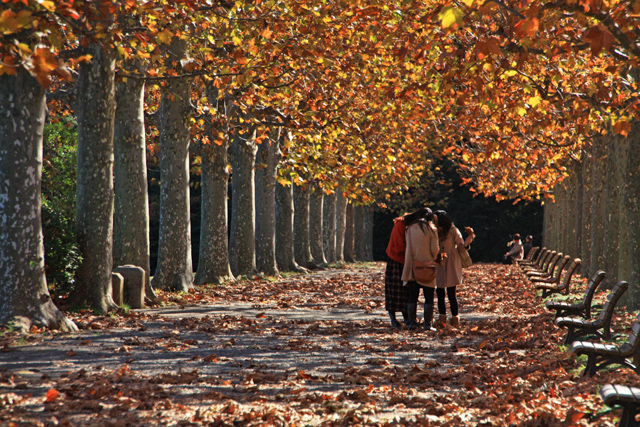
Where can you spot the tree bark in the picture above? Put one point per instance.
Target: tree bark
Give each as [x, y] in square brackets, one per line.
[329, 226]
[612, 223]
[349, 233]
[24, 296]
[316, 203]
[95, 107]
[267, 160]
[301, 226]
[174, 270]
[629, 197]
[131, 217]
[367, 234]
[242, 252]
[341, 222]
[285, 254]
[598, 209]
[587, 206]
[213, 263]
[359, 213]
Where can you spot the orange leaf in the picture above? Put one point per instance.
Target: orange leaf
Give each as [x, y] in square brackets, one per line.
[52, 395]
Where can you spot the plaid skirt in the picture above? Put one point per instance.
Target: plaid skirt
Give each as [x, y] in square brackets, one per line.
[395, 295]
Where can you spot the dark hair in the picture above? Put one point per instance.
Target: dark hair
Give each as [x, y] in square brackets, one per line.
[529, 238]
[516, 236]
[444, 222]
[417, 216]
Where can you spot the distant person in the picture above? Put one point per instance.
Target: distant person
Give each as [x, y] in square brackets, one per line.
[528, 244]
[422, 245]
[450, 272]
[395, 293]
[516, 251]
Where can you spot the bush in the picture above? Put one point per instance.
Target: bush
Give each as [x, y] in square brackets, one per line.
[62, 257]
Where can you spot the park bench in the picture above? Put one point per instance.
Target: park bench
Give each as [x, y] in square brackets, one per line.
[601, 355]
[577, 326]
[547, 270]
[534, 262]
[541, 262]
[583, 308]
[530, 255]
[553, 285]
[626, 397]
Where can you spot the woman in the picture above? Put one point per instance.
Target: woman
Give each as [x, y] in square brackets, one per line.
[422, 245]
[450, 272]
[395, 293]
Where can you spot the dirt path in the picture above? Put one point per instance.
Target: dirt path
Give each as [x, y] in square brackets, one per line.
[306, 350]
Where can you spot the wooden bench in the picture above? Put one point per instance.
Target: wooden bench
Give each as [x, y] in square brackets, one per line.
[601, 355]
[583, 308]
[554, 285]
[626, 397]
[529, 257]
[539, 261]
[547, 269]
[578, 326]
[535, 261]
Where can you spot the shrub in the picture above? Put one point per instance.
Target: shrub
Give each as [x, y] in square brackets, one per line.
[62, 257]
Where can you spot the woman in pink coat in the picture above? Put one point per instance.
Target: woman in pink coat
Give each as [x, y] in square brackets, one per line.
[450, 272]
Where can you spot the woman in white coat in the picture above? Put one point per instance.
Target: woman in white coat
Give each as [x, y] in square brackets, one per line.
[422, 245]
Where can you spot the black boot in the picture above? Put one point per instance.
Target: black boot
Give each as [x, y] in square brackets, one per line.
[405, 317]
[428, 318]
[394, 321]
[411, 315]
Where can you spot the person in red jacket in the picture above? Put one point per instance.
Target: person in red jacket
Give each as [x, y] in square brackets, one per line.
[395, 293]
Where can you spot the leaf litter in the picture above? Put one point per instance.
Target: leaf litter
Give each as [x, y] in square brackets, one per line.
[308, 350]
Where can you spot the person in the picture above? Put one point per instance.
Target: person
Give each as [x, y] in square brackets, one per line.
[395, 293]
[449, 274]
[516, 251]
[528, 244]
[422, 245]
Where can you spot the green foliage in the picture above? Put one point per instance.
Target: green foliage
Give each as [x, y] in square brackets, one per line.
[62, 257]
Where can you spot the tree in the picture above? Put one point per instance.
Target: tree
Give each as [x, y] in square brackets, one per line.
[24, 296]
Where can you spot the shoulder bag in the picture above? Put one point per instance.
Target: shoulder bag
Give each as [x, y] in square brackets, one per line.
[423, 271]
[464, 256]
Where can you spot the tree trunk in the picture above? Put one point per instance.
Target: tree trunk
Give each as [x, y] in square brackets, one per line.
[579, 219]
[174, 270]
[612, 223]
[213, 263]
[267, 161]
[367, 234]
[341, 222]
[242, 254]
[329, 226]
[587, 166]
[24, 296]
[285, 254]
[316, 203]
[629, 197]
[359, 213]
[598, 209]
[349, 233]
[131, 216]
[95, 107]
[301, 226]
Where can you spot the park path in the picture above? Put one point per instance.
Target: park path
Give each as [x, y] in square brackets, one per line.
[307, 349]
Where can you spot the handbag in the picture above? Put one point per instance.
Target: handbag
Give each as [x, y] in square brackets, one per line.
[423, 271]
[464, 256]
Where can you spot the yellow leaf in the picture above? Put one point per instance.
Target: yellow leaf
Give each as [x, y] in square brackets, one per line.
[534, 101]
[449, 16]
[237, 41]
[49, 5]
[165, 36]
[469, 3]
